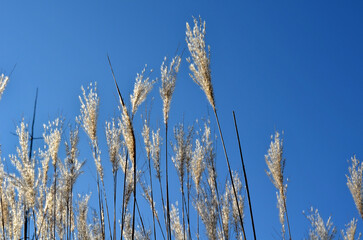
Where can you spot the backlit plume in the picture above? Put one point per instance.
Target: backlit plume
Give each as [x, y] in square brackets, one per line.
[3, 81]
[168, 80]
[200, 67]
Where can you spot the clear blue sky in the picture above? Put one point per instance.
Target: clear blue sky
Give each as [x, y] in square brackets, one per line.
[292, 66]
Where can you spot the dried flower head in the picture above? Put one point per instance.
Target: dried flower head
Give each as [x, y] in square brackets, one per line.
[25, 181]
[168, 80]
[127, 131]
[176, 227]
[354, 182]
[89, 111]
[3, 81]
[349, 233]
[275, 162]
[146, 136]
[201, 73]
[141, 89]
[113, 137]
[52, 138]
[182, 150]
[320, 230]
[155, 151]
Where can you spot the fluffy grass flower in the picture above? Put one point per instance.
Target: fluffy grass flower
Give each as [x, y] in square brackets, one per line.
[142, 88]
[200, 67]
[89, 110]
[354, 182]
[3, 82]
[320, 230]
[350, 231]
[168, 80]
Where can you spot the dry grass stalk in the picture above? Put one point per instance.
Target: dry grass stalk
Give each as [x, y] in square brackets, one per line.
[320, 230]
[276, 165]
[168, 80]
[350, 231]
[202, 77]
[354, 182]
[200, 67]
[142, 88]
[3, 82]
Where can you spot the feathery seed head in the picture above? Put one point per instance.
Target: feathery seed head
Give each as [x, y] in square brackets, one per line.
[175, 222]
[141, 89]
[3, 81]
[349, 233]
[168, 80]
[89, 110]
[113, 137]
[183, 151]
[320, 230]
[52, 137]
[155, 151]
[354, 182]
[146, 136]
[127, 131]
[200, 67]
[275, 162]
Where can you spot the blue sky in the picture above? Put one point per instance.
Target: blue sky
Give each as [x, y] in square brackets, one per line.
[292, 66]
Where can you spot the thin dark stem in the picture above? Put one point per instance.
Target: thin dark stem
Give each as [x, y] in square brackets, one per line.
[230, 173]
[114, 203]
[123, 198]
[141, 221]
[162, 202]
[188, 193]
[26, 210]
[55, 198]
[133, 211]
[2, 215]
[287, 217]
[167, 183]
[100, 206]
[185, 205]
[245, 176]
[152, 197]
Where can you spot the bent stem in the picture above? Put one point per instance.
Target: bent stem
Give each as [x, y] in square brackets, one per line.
[245, 176]
[167, 182]
[230, 172]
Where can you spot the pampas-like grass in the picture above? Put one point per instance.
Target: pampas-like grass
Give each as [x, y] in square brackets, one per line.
[3, 82]
[354, 183]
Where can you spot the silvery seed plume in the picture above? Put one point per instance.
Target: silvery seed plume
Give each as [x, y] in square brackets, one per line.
[3, 81]
[200, 67]
[83, 228]
[226, 199]
[113, 137]
[127, 131]
[182, 150]
[275, 162]
[146, 136]
[52, 138]
[320, 230]
[168, 80]
[235, 211]
[25, 181]
[206, 205]
[95, 227]
[89, 110]
[155, 151]
[349, 233]
[141, 89]
[176, 227]
[281, 207]
[72, 165]
[147, 195]
[354, 182]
